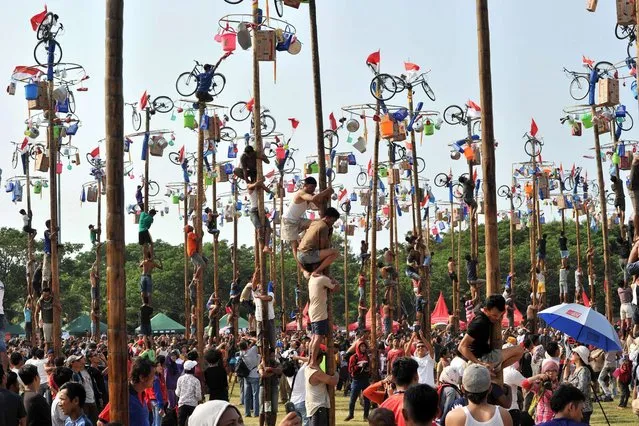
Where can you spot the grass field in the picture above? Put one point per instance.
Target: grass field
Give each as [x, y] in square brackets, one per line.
[615, 416]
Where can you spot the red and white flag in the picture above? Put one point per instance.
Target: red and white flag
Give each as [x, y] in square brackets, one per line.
[36, 20]
[294, 122]
[409, 66]
[333, 122]
[586, 60]
[342, 194]
[373, 58]
[572, 171]
[143, 101]
[24, 145]
[474, 110]
[181, 155]
[561, 171]
[21, 73]
[533, 128]
[95, 153]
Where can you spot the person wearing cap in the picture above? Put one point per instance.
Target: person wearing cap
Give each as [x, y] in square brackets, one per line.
[422, 352]
[294, 219]
[144, 237]
[188, 391]
[580, 377]
[542, 386]
[475, 345]
[476, 384]
[80, 375]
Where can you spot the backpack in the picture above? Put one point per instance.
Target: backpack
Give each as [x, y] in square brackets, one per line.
[241, 369]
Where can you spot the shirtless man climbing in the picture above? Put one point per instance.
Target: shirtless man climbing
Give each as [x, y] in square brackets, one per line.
[146, 282]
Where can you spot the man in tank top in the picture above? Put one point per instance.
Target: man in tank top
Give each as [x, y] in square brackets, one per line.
[317, 400]
[294, 219]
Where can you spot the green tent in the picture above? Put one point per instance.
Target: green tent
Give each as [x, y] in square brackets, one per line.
[241, 322]
[81, 325]
[14, 330]
[161, 324]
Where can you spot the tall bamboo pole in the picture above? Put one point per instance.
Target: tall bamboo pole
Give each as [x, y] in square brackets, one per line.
[591, 269]
[98, 261]
[534, 230]
[392, 243]
[398, 292]
[216, 253]
[604, 224]
[187, 293]
[281, 210]
[488, 160]
[235, 307]
[372, 309]
[30, 258]
[54, 155]
[346, 284]
[197, 224]
[115, 273]
[578, 238]
[147, 129]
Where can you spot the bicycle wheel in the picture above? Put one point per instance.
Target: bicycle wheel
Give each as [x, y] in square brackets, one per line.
[622, 31]
[517, 202]
[441, 180]
[217, 85]
[568, 184]
[401, 84]
[400, 153]
[610, 198]
[174, 157]
[268, 125]
[605, 69]
[421, 165]
[429, 92]
[186, 84]
[45, 26]
[626, 122]
[279, 7]
[579, 87]
[533, 149]
[458, 190]
[92, 160]
[136, 120]
[36, 149]
[240, 184]
[154, 188]
[162, 104]
[240, 112]
[234, 1]
[289, 165]
[383, 87]
[41, 53]
[453, 115]
[228, 134]
[331, 139]
[477, 127]
[362, 178]
[504, 191]
[71, 101]
[594, 189]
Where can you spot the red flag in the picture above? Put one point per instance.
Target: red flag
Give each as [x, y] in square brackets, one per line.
[270, 174]
[23, 145]
[409, 66]
[475, 175]
[95, 153]
[533, 128]
[373, 58]
[294, 122]
[331, 118]
[342, 194]
[181, 155]
[472, 105]
[587, 61]
[36, 20]
[369, 169]
[572, 171]
[143, 101]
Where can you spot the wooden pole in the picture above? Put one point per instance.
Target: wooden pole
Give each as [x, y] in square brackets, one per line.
[187, 293]
[591, 269]
[346, 283]
[511, 247]
[54, 155]
[373, 249]
[98, 261]
[115, 272]
[491, 245]
[392, 243]
[604, 221]
[216, 254]
[147, 129]
[30, 258]
[281, 210]
[235, 307]
[473, 216]
[578, 238]
[398, 292]
[197, 224]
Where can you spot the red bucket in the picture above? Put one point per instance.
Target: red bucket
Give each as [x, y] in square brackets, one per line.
[229, 41]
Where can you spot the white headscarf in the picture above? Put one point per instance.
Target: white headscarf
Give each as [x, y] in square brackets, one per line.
[450, 375]
[209, 413]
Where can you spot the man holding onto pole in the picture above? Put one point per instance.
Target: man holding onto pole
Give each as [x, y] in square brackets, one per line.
[314, 250]
[294, 219]
[144, 237]
[318, 288]
[46, 306]
[193, 252]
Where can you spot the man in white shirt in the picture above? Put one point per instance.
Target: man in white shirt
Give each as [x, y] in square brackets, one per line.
[513, 379]
[318, 288]
[61, 376]
[40, 362]
[298, 392]
[458, 363]
[424, 355]
[259, 298]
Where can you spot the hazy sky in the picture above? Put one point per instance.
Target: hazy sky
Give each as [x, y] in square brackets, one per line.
[530, 42]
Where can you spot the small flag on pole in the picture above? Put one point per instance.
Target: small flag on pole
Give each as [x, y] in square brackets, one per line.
[373, 58]
[143, 101]
[533, 128]
[331, 118]
[95, 153]
[409, 66]
[36, 20]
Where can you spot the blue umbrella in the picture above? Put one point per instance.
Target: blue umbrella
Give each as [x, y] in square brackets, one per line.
[582, 324]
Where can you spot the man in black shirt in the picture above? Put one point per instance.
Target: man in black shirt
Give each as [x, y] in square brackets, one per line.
[38, 410]
[475, 346]
[620, 197]
[563, 249]
[145, 317]
[12, 411]
[541, 253]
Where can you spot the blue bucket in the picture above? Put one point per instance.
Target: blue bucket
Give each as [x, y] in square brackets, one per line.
[31, 91]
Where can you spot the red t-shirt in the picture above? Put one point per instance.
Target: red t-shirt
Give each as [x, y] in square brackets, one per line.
[191, 243]
[395, 403]
[361, 282]
[392, 355]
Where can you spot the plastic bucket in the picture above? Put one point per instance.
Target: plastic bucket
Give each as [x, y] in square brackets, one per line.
[386, 127]
[229, 41]
[429, 128]
[175, 199]
[586, 120]
[60, 94]
[31, 91]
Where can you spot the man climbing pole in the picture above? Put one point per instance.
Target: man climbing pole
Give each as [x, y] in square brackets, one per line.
[144, 237]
